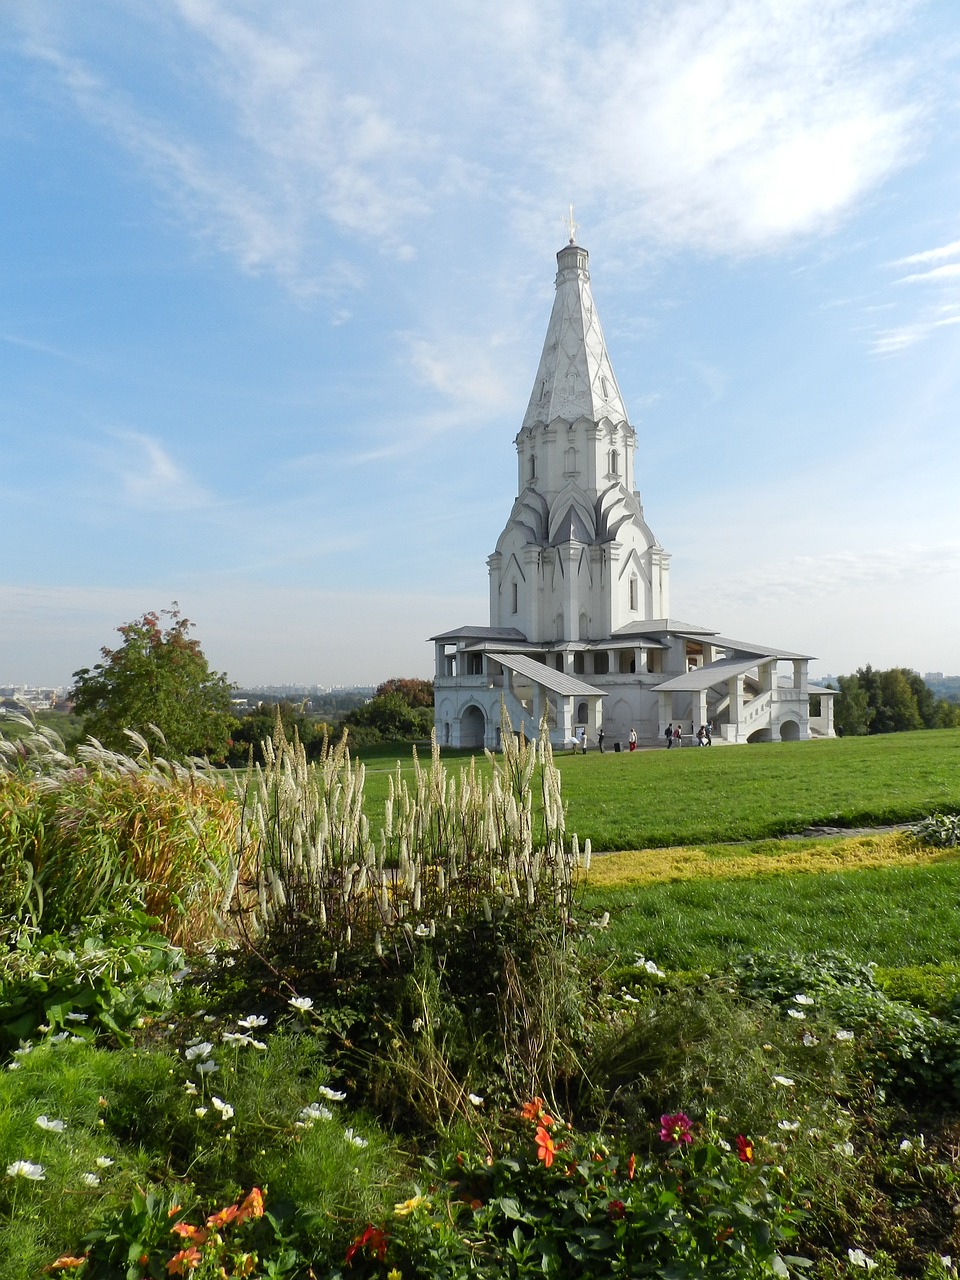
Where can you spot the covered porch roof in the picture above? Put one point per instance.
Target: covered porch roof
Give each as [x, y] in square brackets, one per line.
[539, 673]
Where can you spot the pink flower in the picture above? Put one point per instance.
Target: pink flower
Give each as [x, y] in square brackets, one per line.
[676, 1128]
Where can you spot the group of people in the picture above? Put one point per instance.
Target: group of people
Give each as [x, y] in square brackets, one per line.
[674, 735]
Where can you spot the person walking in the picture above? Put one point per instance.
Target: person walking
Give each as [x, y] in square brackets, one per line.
[668, 734]
[600, 740]
[633, 739]
[677, 737]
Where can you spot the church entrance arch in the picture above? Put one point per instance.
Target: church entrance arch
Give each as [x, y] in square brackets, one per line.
[789, 731]
[473, 727]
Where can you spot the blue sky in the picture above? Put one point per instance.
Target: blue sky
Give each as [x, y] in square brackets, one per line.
[275, 280]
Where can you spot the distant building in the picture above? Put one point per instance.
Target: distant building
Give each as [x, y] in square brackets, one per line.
[580, 622]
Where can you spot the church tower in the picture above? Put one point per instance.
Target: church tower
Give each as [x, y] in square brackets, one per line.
[577, 561]
[580, 635]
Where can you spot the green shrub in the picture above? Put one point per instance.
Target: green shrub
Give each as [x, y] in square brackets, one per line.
[97, 980]
[941, 830]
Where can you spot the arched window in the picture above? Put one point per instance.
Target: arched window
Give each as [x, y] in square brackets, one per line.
[570, 461]
[581, 713]
[613, 462]
[601, 664]
[514, 597]
[532, 467]
[634, 594]
[578, 667]
[582, 632]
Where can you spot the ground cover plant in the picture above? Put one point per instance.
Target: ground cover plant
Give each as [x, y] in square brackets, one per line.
[466, 1048]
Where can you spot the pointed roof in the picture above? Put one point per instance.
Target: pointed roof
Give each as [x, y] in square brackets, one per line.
[575, 378]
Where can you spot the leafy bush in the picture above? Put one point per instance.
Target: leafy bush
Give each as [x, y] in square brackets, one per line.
[557, 1202]
[941, 830]
[98, 979]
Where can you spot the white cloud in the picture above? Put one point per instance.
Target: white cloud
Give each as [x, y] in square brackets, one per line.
[726, 125]
[734, 125]
[147, 475]
[950, 271]
[810, 577]
[951, 250]
[890, 341]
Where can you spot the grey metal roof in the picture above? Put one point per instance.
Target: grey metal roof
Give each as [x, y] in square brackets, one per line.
[663, 626]
[742, 646]
[549, 677]
[704, 677]
[483, 633]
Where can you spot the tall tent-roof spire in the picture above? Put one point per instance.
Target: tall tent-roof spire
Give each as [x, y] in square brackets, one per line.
[575, 378]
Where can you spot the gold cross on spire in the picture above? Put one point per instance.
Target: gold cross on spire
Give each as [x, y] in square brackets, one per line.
[572, 227]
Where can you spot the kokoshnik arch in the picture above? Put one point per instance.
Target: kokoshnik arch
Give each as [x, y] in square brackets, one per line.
[580, 624]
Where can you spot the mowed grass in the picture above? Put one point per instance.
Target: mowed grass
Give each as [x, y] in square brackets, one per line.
[896, 916]
[651, 799]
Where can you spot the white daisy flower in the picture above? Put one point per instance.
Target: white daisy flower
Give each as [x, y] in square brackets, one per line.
[51, 1126]
[330, 1094]
[202, 1050]
[300, 1003]
[24, 1169]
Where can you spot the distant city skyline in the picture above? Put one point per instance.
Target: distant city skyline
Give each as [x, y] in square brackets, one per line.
[276, 281]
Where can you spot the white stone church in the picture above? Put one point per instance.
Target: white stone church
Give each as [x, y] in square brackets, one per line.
[580, 622]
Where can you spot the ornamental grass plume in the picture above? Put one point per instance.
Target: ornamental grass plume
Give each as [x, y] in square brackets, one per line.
[451, 848]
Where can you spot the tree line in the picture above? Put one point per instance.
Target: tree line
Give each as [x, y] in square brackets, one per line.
[159, 679]
[891, 701]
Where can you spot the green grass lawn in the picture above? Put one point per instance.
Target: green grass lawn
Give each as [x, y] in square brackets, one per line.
[895, 916]
[655, 798]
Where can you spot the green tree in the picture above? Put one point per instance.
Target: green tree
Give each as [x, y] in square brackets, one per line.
[156, 677]
[852, 713]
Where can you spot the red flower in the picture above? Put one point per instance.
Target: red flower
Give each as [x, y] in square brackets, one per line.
[744, 1149]
[631, 1166]
[676, 1128]
[374, 1239]
[546, 1147]
[616, 1208]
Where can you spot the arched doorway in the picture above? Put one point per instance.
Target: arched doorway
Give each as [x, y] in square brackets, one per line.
[473, 727]
[789, 731]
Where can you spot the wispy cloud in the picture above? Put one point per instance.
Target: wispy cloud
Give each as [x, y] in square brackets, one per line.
[931, 317]
[726, 125]
[147, 476]
[809, 577]
[951, 250]
[732, 125]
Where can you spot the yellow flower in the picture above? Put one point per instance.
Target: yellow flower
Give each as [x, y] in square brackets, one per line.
[395, 1274]
[408, 1206]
